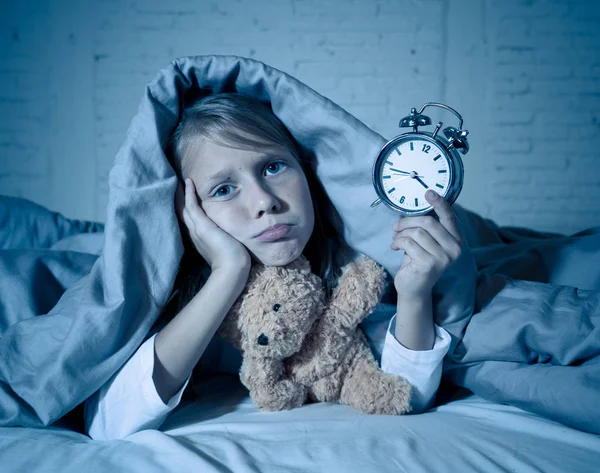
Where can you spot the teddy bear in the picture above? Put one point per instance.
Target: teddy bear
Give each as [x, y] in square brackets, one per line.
[300, 346]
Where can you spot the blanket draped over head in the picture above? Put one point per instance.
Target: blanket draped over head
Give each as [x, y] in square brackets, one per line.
[74, 309]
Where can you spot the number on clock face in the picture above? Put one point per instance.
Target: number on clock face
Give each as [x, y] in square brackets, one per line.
[410, 169]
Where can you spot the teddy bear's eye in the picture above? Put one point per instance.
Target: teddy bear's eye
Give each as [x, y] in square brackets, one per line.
[276, 307]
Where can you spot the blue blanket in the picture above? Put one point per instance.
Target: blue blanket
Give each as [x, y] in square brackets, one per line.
[534, 338]
[78, 298]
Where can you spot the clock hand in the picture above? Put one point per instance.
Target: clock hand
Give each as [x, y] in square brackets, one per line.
[405, 177]
[398, 170]
[422, 183]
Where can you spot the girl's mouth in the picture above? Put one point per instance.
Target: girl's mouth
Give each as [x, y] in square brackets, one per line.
[275, 233]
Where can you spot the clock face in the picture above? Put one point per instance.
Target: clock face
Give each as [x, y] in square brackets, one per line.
[409, 168]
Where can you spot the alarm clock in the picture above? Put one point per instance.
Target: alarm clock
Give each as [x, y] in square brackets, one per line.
[415, 161]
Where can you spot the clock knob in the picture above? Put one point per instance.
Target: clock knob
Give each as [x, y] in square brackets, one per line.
[415, 120]
[457, 138]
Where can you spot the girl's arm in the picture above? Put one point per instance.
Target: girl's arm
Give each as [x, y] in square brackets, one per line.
[421, 368]
[149, 385]
[418, 347]
[181, 343]
[430, 245]
[414, 348]
[130, 401]
[414, 322]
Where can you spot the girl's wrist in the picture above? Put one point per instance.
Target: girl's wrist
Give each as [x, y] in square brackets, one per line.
[232, 261]
[414, 298]
[415, 311]
[232, 269]
[232, 276]
[414, 323]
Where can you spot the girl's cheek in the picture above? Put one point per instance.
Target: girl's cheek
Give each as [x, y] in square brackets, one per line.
[209, 210]
[205, 206]
[228, 218]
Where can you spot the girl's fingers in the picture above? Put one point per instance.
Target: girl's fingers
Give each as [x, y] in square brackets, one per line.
[435, 229]
[412, 249]
[191, 200]
[189, 222]
[424, 240]
[192, 204]
[446, 214]
[194, 216]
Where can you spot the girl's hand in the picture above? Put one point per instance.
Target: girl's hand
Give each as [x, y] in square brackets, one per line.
[217, 247]
[430, 246]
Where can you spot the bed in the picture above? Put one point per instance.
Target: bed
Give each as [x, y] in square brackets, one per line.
[221, 431]
[78, 297]
[217, 428]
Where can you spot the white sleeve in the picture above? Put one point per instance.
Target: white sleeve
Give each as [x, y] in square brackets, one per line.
[129, 402]
[422, 369]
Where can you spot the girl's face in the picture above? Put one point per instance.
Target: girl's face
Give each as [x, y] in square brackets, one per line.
[246, 193]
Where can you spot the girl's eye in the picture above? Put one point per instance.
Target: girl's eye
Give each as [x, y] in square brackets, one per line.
[223, 191]
[274, 167]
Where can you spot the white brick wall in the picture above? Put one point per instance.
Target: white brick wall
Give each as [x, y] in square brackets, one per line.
[544, 63]
[525, 75]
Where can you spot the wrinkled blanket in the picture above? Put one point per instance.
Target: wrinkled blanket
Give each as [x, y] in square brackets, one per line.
[534, 338]
[78, 298]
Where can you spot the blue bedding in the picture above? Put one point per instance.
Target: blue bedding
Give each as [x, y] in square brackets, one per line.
[223, 432]
[78, 298]
[534, 338]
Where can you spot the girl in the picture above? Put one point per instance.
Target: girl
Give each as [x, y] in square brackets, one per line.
[250, 195]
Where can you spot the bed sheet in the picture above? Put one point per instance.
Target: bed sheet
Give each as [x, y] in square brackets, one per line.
[222, 431]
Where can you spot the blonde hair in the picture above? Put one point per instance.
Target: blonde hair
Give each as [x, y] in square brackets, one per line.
[232, 120]
[235, 120]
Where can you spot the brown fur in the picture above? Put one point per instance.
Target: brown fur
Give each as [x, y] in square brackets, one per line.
[315, 348]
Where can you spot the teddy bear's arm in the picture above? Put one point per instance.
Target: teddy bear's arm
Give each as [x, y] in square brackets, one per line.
[269, 389]
[359, 289]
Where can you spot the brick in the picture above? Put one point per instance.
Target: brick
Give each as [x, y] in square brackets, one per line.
[514, 55]
[514, 32]
[507, 145]
[517, 84]
[503, 116]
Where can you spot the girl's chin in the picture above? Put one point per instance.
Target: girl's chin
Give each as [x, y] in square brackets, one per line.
[278, 253]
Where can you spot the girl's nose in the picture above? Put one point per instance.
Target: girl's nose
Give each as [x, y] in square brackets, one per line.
[266, 202]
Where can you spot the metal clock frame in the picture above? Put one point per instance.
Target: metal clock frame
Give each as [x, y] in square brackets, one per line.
[450, 152]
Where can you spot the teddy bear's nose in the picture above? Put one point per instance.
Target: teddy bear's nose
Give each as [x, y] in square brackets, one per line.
[263, 339]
